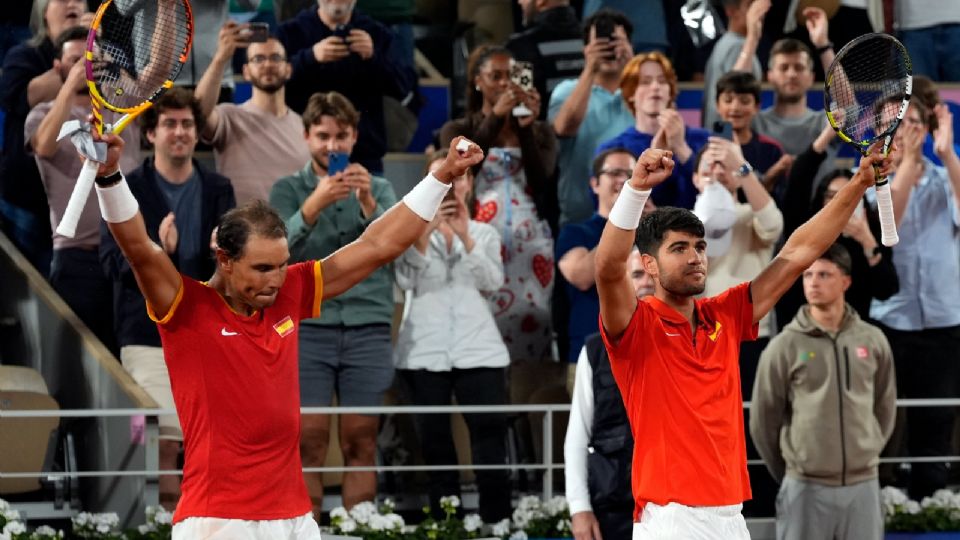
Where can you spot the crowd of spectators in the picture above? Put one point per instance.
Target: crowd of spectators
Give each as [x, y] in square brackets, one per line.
[483, 322]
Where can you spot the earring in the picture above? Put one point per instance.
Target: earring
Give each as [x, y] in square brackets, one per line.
[477, 88]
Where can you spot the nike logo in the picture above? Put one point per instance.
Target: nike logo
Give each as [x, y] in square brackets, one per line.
[672, 335]
[225, 332]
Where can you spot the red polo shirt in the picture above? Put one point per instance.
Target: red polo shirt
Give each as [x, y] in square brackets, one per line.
[682, 395]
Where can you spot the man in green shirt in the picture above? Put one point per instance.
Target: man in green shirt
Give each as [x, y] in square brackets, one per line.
[347, 349]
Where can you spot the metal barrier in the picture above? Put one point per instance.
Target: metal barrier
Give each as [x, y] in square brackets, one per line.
[547, 464]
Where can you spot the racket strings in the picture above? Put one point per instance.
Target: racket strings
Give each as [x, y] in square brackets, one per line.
[139, 46]
[867, 85]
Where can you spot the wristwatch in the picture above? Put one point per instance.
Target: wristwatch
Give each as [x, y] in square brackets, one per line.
[744, 170]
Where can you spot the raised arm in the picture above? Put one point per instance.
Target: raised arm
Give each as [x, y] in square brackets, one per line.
[944, 148]
[812, 238]
[44, 140]
[755, 14]
[387, 237]
[618, 300]
[156, 275]
[208, 89]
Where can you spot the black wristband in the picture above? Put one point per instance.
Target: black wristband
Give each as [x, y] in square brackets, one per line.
[109, 180]
[825, 48]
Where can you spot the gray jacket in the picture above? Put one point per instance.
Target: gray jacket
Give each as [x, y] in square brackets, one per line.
[824, 404]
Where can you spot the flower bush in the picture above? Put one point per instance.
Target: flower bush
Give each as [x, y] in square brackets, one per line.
[940, 512]
[13, 528]
[368, 522]
[159, 526]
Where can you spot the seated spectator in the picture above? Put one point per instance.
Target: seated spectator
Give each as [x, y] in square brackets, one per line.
[75, 271]
[827, 359]
[740, 241]
[261, 139]
[599, 446]
[736, 50]
[738, 102]
[449, 345]
[332, 47]
[181, 203]
[347, 349]
[551, 42]
[649, 87]
[576, 247]
[589, 110]
[931, 33]
[26, 80]
[922, 320]
[925, 91]
[872, 271]
[646, 16]
[515, 195]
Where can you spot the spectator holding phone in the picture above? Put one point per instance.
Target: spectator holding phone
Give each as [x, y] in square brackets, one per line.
[333, 47]
[589, 109]
[449, 345]
[649, 88]
[253, 163]
[327, 205]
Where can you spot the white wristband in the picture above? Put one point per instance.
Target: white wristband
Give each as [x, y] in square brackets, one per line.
[425, 198]
[117, 203]
[626, 211]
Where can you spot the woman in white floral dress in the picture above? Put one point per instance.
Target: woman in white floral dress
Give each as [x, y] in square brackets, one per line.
[515, 193]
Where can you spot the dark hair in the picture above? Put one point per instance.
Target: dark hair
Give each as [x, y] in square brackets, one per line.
[790, 46]
[238, 224]
[332, 104]
[477, 59]
[616, 18]
[74, 33]
[925, 92]
[838, 255]
[654, 226]
[923, 111]
[739, 82]
[823, 183]
[602, 157]
[175, 98]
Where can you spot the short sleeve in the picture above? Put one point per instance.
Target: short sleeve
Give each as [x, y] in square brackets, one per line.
[736, 305]
[221, 131]
[310, 274]
[31, 125]
[168, 318]
[632, 337]
[559, 96]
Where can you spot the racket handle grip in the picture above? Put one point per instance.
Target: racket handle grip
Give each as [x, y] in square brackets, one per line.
[78, 199]
[888, 225]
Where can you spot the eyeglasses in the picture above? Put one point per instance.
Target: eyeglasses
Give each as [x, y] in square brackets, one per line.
[617, 173]
[261, 58]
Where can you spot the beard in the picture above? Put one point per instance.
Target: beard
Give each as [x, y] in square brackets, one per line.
[678, 287]
[792, 98]
[270, 88]
[339, 12]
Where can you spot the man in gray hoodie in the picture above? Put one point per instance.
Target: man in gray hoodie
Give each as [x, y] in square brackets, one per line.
[824, 404]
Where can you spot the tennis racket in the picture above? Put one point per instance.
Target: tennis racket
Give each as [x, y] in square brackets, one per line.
[135, 50]
[866, 93]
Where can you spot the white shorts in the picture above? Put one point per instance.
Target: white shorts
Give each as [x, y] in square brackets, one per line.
[147, 367]
[205, 528]
[679, 522]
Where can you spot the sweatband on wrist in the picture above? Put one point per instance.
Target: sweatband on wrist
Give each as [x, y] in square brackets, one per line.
[117, 203]
[425, 198]
[628, 207]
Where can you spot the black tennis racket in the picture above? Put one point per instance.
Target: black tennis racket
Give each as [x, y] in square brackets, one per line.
[866, 94]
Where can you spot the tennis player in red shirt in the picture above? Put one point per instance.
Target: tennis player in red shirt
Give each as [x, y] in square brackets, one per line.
[231, 347]
[675, 357]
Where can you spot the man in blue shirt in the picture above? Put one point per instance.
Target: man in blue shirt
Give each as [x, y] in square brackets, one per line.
[576, 247]
[922, 321]
[589, 110]
[333, 47]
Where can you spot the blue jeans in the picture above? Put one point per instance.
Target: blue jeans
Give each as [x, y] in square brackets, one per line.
[933, 51]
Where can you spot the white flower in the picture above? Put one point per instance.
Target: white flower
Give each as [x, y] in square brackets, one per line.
[893, 496]
[378, 522]
[348, 525]
[144, 529]
[564, 525]
[451, 500]
[530, 502]
[472, 522]
[555, 506]
[362, 512]
[519, 535]
[14, 527]
[911, 507]
[395, 521]
[521, 518]
[46, 530]
[339, 513]
[388, 506]
[10, 514]
[501, 527]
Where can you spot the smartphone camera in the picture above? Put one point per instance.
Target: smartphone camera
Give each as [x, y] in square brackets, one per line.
[337, 162]
[723, 129]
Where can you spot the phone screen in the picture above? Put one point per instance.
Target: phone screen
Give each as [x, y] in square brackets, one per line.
[337, 162]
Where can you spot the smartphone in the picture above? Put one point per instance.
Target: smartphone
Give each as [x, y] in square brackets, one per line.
[258, 32]
[723, 129]
[342, 31]
[337, 162]
[604, 29]
[521, 73]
